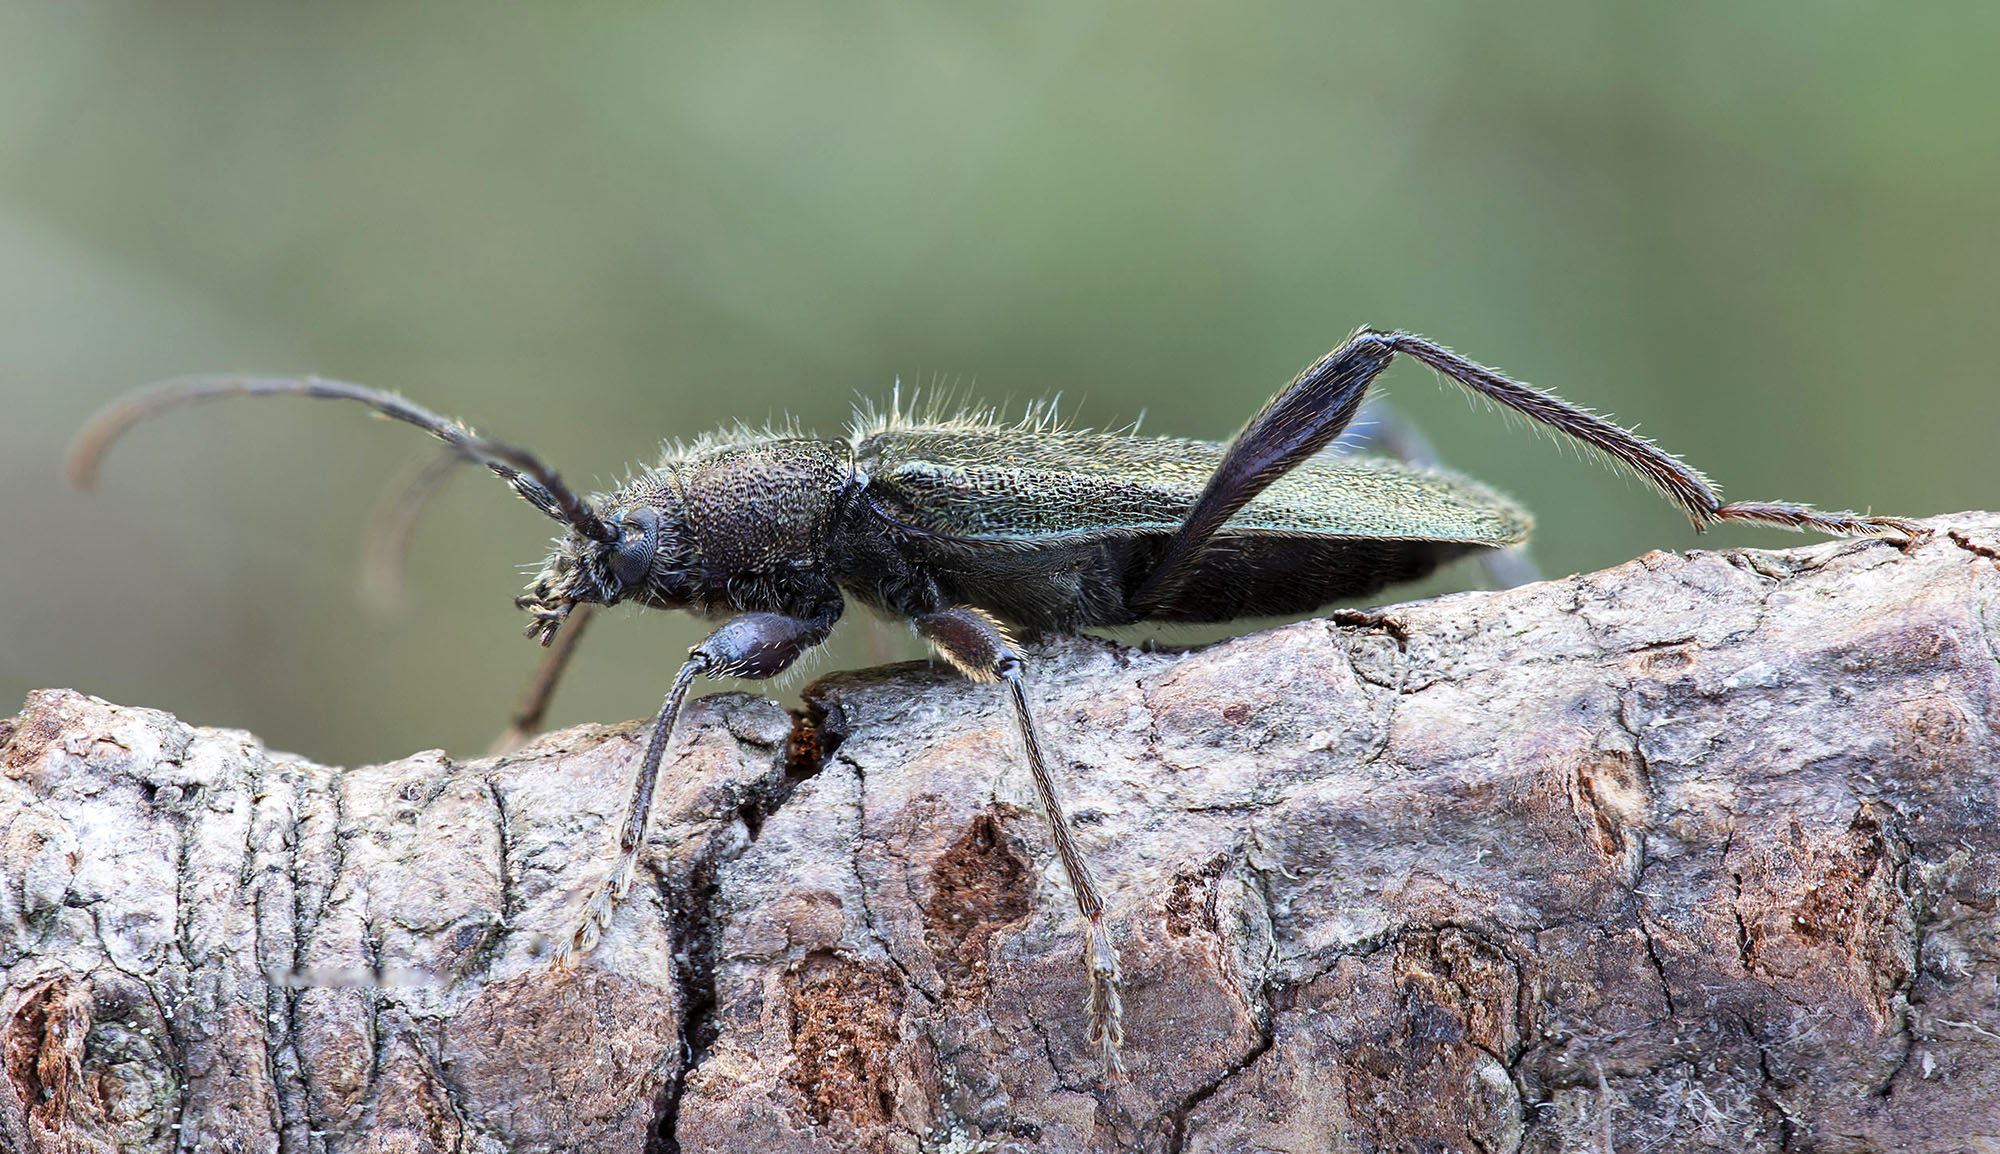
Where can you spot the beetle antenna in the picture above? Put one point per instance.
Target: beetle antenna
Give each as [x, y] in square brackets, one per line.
[534, 481]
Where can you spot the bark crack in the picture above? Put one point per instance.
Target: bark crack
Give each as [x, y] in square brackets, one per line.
[1267, 1027]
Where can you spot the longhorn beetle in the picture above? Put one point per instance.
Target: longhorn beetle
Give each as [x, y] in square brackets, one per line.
[968, 526]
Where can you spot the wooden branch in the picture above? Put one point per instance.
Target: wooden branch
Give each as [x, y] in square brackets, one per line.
[1694, 853]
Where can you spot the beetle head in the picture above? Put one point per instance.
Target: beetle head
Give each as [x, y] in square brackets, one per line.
[644, 559]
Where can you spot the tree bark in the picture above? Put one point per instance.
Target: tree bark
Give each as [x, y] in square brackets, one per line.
[1696, 853]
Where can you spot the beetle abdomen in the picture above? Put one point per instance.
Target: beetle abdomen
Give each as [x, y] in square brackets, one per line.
[1068, 584]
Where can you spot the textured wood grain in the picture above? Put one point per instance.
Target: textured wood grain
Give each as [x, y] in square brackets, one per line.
[1696, 853]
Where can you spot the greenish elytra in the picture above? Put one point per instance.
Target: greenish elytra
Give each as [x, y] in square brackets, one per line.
[1068, 484]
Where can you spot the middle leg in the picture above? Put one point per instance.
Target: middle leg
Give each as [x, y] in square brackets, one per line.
[980, 649]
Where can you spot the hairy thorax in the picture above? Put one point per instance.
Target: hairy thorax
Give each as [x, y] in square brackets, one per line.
[755, 508]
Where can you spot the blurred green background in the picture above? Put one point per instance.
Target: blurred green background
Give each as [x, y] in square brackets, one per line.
[1764, 233]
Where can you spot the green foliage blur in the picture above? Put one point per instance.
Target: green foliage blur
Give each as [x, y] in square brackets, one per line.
[1764, 233]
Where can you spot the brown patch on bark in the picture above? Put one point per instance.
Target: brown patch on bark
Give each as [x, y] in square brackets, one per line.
[1446, 1009]
[1666, 662]
[1608, 796]
[812, 920]
[1191, 899]
[844, 1036]
[1433, 1021]
[43, 1050]
[1975, 548]
[1828, 912]
[1940, 735]
[979, 885]
[813, 738]
[31, 732]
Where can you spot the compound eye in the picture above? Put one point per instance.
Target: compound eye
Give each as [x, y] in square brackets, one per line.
[639, 535]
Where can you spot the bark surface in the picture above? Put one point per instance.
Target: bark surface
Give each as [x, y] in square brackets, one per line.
[1696, 853]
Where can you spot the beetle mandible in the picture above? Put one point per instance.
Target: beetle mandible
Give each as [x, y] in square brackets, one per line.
[969, 526]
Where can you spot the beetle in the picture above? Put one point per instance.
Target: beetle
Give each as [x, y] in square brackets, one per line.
[970, 527]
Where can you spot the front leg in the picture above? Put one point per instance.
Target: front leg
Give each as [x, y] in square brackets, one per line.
[753, 646]
[976, 645]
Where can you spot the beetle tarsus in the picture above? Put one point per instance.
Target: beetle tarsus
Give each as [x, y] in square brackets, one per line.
[598, 911]
[1104, 1010]
[1804, 518]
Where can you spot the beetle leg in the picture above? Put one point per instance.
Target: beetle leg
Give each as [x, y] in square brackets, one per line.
[754, 646]
[977, 645]
[1300, 421]
[1311, 411]
[1683, 485]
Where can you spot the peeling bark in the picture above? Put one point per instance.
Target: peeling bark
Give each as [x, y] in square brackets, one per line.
[1696, 853]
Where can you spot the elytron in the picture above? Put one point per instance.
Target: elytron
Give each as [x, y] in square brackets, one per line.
[970, 527]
